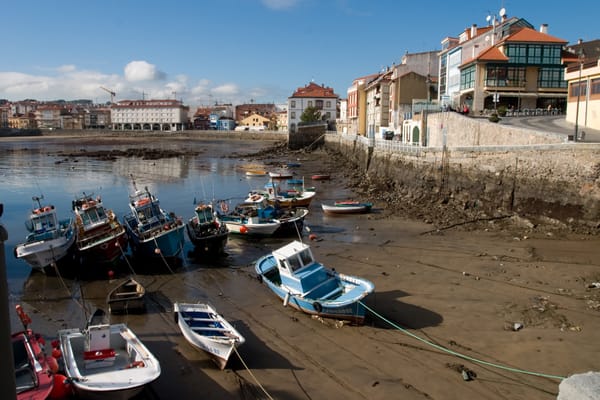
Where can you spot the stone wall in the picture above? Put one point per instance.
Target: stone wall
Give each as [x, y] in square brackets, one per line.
[558, 183]
[307, 135]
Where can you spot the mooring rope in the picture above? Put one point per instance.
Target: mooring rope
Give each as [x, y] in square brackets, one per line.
[161, 255]
[460, 355]
[251, 374]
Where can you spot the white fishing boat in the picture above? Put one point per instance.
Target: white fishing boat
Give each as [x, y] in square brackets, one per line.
[207, 330]
[49, 239]
[106, 361]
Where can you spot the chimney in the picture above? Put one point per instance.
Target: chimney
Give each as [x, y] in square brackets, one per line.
[473, 30]
[580, 41]
[544, 28]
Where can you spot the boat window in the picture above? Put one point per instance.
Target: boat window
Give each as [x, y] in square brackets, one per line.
[306, 257]
[284, 264]
[294, 263]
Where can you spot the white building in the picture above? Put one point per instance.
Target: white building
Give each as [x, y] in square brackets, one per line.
[149, 115]
[312, 95]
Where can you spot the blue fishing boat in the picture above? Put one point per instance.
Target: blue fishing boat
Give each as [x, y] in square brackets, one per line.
[152, 231]
[292, 273]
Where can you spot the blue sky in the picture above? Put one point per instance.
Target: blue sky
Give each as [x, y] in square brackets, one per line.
[236, 51]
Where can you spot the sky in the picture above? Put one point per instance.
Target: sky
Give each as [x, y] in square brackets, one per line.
[204, 52]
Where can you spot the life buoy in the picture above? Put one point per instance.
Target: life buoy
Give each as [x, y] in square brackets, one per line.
[255, 197]
[224, 207]
[47, 209]
[317, 306]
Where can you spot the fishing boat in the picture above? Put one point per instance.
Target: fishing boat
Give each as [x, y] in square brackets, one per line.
[152, 231]
[127, 297]
[106, 360]
[207, 330]
[247, 219]
[292, 273]
[256, 172]
[280, 175]
[291, 219]
[34, 370]
[206, 233]
[101, 238]
[320, 177]
[347, 207]
[275, 194]
[50, 239]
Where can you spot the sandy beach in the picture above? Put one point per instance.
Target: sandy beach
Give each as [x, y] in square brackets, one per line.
[515, 308]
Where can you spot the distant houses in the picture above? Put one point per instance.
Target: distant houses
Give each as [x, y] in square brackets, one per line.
[506, 67]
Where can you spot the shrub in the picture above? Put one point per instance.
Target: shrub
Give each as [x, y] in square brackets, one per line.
[502, 111]
[494, 118]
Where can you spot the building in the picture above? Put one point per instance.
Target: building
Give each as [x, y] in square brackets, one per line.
[255, 122]
[583, 77]
[244, 110]
[356, 105]
[378, 104]
[507, 63]
[412, 79]
[312, 95]
[48, 116]
[97, 118]
[149, 115]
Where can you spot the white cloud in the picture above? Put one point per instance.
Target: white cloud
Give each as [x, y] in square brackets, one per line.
[137, 71]
[141, 80]
[280, 4]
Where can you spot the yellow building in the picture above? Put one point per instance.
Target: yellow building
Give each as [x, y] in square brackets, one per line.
[583, 77]
[255, 121]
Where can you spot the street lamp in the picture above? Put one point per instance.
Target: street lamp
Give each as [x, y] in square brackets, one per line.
[581, 59]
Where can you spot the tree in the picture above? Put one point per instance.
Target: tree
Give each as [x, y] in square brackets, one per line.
[310, 114]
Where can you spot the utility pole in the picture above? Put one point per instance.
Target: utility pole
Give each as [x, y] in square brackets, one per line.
[579, 90]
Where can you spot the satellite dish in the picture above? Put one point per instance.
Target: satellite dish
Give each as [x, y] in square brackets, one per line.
[502, 12]
[487, 38]
[488, 18]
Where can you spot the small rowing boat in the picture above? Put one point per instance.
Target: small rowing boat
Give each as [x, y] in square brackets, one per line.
[347, 207]
[207, 330]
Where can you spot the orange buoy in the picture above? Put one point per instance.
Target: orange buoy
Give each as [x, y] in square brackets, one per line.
[52, 364]
[61, 388]
[55, 343]
[157, 251]
[111, 274]
[243, 229]
[312, 236]
[56, 353]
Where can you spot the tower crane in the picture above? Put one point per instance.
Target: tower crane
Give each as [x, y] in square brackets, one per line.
[112, 94]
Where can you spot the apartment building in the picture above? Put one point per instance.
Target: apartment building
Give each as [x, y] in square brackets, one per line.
[312, 95]
[149, 115]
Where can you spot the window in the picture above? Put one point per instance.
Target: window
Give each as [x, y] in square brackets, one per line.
[578, 89]
[310, 103]
[551, 78]
[293, 103]
[595, 86]
[534, 54]
[327, 115]
[328, 104]
[293, 115]
[467, 78]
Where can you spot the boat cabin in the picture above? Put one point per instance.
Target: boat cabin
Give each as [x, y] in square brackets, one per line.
[43, 223]
[204, 213]
[301, 273]
[98, 352]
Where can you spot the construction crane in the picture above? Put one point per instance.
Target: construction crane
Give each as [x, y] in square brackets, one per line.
[112, 94]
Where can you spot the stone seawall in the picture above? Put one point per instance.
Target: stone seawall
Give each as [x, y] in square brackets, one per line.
[194, 134]
[559, 186]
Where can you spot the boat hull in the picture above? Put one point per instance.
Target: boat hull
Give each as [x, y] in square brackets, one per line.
[41, 254]
[105, 251]
[166, 243]
[207, 331]
[209, 241]
[346, 208]
[25, 350]
[125, 376]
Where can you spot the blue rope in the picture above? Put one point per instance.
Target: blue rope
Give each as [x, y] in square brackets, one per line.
[463, 356]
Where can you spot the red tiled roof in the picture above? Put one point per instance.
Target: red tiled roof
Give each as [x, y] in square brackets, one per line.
[314, 90]
[531, 35]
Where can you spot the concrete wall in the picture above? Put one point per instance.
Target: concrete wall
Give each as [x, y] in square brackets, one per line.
[461, 131]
